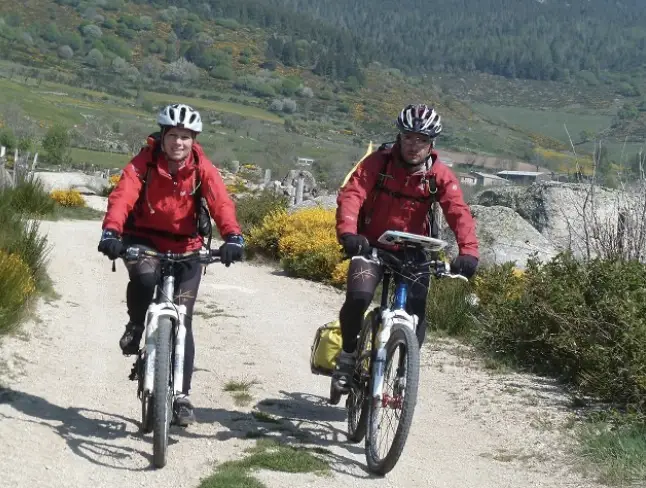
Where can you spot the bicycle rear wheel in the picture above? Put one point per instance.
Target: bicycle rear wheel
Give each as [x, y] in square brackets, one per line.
[162, 394]
[359, 391]
[399, 396]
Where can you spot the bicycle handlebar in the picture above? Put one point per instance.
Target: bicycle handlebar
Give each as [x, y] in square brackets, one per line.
[442, 268]
[205, 256]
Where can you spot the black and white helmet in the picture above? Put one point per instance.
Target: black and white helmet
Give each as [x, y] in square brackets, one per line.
[420, 119]
[180, 115]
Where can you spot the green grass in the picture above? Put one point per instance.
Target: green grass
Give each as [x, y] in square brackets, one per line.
[268, 455]
[75, 213]
[616, 450]
[46, 107]
[99, 158]
[240, 391]
[265, 417]
[234, 385]
[547, 122]
[220, 106]
[37, 106]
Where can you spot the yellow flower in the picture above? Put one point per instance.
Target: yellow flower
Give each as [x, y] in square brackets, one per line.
[16, 281]
[68, 198]
[304, 241]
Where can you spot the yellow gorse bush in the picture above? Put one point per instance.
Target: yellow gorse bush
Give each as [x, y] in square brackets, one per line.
[265, 238]
[340, 274]
[16, 281]
[114, 180]
[68, 198]
[305, 242]
[500, 283]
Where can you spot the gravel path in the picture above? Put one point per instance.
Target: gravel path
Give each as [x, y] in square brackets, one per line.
[69, 415]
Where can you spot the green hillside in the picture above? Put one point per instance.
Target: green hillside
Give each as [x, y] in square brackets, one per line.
[300, 68]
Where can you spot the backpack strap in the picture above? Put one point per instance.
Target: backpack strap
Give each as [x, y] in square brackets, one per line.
[380, 186]
[197, 193]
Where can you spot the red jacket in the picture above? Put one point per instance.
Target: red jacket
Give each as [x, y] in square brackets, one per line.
[389, 212]
[169, 204]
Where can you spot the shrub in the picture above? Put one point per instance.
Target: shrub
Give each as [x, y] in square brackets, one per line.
[56, 144]
[65, 52]
[448, 308]
[253, 209]
[22, 250]
[30, 198]
[16, 286]
[305, 242]
[238, 186]
[68, 198]
[264, 238]
[340, 274]
[113, 180]
[584, 322]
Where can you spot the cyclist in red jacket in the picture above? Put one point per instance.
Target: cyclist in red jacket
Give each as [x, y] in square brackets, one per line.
[154, 206]
[393, 189]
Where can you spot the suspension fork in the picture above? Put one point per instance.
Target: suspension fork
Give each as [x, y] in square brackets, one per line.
[382, 333]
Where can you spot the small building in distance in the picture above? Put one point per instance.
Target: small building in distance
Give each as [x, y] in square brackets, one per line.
[466, 179]
[524, 177]
[304, 162]
[488, 179]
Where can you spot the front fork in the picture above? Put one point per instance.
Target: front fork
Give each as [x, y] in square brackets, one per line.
[177, 315]
[389, 318]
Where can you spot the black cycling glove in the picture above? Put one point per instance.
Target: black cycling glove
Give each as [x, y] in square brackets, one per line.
[354, 244]
[465, 265]
[232, 249]
[110, 244]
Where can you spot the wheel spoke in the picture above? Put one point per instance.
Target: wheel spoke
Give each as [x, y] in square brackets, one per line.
[390, 418]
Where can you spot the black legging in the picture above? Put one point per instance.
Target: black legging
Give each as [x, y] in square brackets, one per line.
[144, 275]
[363, 277]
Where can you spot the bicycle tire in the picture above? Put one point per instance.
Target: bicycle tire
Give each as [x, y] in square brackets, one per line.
[146, 400]
[356, 404]
[162, 395]
[335, 394]
[400, 335]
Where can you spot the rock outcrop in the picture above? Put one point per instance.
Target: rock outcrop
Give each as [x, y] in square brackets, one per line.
[571, 216]
[503, 236]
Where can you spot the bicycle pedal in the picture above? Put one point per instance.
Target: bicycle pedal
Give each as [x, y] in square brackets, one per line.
[133, 376]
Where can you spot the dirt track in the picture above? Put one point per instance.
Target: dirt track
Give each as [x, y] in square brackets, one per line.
[69, 415]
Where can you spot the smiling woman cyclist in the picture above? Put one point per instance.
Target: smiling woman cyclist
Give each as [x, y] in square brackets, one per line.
[154, 206]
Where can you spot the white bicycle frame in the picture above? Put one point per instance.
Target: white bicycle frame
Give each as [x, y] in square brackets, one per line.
[390, 318]
[177, 313]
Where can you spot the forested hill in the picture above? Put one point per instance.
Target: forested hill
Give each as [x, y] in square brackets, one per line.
[513, 38]
[542, 40]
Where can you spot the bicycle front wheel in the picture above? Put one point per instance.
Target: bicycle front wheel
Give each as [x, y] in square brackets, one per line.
[356, 402]
[162, 394]
[397, 405]
[146, 399]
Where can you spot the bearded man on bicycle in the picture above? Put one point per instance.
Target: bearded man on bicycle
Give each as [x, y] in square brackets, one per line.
[394, 188]
[157, 205]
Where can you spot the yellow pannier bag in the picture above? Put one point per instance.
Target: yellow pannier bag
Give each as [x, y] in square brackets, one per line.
[326, 348]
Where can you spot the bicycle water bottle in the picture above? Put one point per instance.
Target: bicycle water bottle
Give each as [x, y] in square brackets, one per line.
[400, 296]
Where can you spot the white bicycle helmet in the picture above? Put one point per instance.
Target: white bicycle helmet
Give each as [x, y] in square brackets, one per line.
[180, 115]
[420, 119]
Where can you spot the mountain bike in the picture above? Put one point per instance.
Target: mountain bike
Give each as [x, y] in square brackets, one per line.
[159, 367]
[388, 330]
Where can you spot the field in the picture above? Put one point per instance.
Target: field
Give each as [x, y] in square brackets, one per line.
[552, 122]
[219, 106]
[242, 132]
[250, 134]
